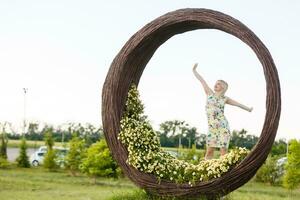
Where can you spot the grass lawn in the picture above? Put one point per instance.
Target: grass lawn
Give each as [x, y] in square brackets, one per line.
[38, 184]
[30, 143]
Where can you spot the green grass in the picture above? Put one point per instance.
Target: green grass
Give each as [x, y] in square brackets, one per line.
[39, 184]
[30, 143]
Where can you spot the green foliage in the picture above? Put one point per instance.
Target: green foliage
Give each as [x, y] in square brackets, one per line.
[50, 156]
[98, 161]
[3, 145]
[176, 133]
[23, 160]
[279, 148]
[49, 142]
[292, 177]
[242, 139]
[3, 141]
[75, 154]
[190, 155]
[4, 164]
[269, 172]
[50, 160]
[61, 133]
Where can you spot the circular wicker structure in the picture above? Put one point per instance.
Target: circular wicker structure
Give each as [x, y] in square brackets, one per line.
[127, 68]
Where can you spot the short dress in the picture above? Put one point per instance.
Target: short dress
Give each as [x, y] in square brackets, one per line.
[218, 128]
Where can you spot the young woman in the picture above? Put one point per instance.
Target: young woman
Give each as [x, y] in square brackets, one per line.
[218, 135]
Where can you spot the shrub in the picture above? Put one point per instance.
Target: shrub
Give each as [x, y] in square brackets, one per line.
[75, 154]
[50, 156]
[98, 161]
[4, 164]
[190, 155]
[291, 179]
[3, 145]
[23, 160]
[269, 172]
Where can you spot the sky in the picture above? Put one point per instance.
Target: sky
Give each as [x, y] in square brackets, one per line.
[61, 51]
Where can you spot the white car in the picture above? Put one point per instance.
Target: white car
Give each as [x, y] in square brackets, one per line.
[281, 161]
[37, 157]
[280, 165]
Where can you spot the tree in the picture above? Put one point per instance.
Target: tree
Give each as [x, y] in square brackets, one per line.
[279, 148]
[4, 141]
[242, 139]
[23, 160]
[49, 160]
[98, 161]
[201, 140]
[173, 131]
[75, 154]
[88, 132]
[291, 179]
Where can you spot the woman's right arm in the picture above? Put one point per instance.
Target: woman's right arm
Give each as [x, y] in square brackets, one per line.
[203, 82]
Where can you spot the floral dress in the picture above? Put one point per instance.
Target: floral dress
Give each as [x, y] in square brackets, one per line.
[218, 128]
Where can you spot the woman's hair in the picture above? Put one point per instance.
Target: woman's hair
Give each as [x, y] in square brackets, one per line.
[225, 86]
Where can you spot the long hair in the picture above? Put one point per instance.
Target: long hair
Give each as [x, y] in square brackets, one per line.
[225, 86]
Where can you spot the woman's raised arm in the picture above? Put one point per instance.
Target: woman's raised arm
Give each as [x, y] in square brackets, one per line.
[203, 82]
[235, 103]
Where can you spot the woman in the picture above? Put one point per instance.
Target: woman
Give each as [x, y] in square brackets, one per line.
[218, 135]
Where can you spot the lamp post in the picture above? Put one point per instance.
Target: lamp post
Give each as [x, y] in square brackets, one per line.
[287, 147]
[24, 119]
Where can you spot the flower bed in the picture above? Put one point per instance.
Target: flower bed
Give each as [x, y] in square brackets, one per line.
[145, 154]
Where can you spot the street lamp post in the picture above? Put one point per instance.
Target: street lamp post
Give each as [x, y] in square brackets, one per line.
[287, 147]
[24, 119]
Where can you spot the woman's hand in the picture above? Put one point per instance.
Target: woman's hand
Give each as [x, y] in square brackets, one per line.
[195, 66]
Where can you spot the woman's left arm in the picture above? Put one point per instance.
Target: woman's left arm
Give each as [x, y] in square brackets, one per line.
[235, 103]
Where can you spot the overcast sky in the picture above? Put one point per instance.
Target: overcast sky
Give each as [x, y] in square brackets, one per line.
[61, 51]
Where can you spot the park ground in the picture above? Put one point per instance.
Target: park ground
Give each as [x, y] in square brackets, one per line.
[39, 184]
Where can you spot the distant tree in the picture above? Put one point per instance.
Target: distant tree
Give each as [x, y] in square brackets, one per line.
[291, 178]
[242, 139]
[201, 141]
[3, 141]
[176, 134]
[98, 161]
[279, 148]
[23, 160]
[32, 132]
[88, 132]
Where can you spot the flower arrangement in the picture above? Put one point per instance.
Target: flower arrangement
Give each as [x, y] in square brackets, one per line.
[145, 154]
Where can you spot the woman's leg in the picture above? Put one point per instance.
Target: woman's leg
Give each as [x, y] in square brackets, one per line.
[223, 151]
[209, 153]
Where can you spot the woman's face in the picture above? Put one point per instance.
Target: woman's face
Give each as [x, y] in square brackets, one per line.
[218, 86]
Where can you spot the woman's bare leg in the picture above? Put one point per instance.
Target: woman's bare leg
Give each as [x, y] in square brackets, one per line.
[223, 151]
[209, 153]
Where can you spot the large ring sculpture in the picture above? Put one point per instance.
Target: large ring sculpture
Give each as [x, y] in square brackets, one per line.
[127, 68]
